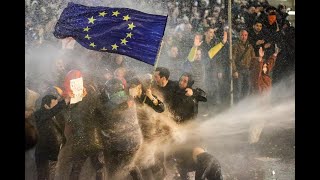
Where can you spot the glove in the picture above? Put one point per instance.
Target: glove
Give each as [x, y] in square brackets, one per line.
[208, 167]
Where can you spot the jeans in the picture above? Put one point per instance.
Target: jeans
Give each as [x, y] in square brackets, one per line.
[242, 85]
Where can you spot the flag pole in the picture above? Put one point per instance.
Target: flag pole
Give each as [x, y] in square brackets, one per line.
[155, 66]
[230, 51]
[158, 55]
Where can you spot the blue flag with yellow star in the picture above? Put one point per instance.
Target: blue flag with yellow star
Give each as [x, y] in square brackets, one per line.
[115, 30]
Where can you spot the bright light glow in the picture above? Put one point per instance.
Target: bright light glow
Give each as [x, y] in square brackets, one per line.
[291, 13]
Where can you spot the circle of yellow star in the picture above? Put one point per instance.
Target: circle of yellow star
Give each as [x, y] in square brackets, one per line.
[129, 35]
[114, 46]
[86, 29]
[91, 20]
[102, 14]
[115, 13]
[103, 49]
[92, 45]
[87, 37]
[126, 18]
[131, 26]
[124, 41]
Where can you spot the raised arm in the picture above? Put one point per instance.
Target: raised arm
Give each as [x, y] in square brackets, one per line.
[215, 49]
[197, 42]
[272, 59]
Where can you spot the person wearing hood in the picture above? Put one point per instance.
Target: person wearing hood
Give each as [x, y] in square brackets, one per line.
[82, 128]
[121, 133]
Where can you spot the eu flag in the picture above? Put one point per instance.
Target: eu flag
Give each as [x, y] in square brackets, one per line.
[114, 30]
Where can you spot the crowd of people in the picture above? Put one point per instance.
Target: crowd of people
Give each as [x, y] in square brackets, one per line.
[126, 104]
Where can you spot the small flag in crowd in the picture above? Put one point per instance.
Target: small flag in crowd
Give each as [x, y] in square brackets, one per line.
[115, 30]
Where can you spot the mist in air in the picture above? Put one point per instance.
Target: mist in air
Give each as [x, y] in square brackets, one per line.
[226, 135]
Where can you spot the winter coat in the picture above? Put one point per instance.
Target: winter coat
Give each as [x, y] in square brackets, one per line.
[262, 82]
[50, 137]
[82, 124]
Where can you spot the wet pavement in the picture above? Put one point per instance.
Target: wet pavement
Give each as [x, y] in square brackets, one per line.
[272, 158]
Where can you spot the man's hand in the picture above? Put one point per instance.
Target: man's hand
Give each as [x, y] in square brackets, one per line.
[225, 37]
[67, 100]
[68, 43]
[276, 50]
[84, 92]
[148, 93]
[189, 92]
[261, 54]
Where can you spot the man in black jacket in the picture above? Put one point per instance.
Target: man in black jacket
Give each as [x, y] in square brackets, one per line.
[191, 156]
[50, 135]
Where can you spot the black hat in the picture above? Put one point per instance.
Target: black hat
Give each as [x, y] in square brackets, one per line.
[257, 4]
[270, 8]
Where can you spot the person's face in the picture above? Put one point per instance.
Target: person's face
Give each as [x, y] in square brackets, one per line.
[135, 91]
[257, 27]
[259, 9]
[107, 75]
[243, 36]
[60, 65]
[53, 103]
[198, 55]
[213, 21]
[174, 52]
[251, 10]
[216, 12]
[194, 9]
[169, 40]
[119, 59]
[210, 33]
[183, 82]
[120, 74]
[272, 18]
[157, 79]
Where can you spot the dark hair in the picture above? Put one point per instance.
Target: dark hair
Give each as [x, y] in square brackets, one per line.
[46, 100]
[257, 21]
[250, 5]
[243, 29]
[52, 91]
[207, 28]
[163, 72]
[190, 79]
[113, 85]
[272, 13]
[257, 4]
[281, 6]
[270, 8]
[134, 82]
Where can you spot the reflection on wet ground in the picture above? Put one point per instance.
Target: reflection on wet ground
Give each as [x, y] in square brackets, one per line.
[273, 157]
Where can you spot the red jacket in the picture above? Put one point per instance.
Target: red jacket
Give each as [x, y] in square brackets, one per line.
[262, 82]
